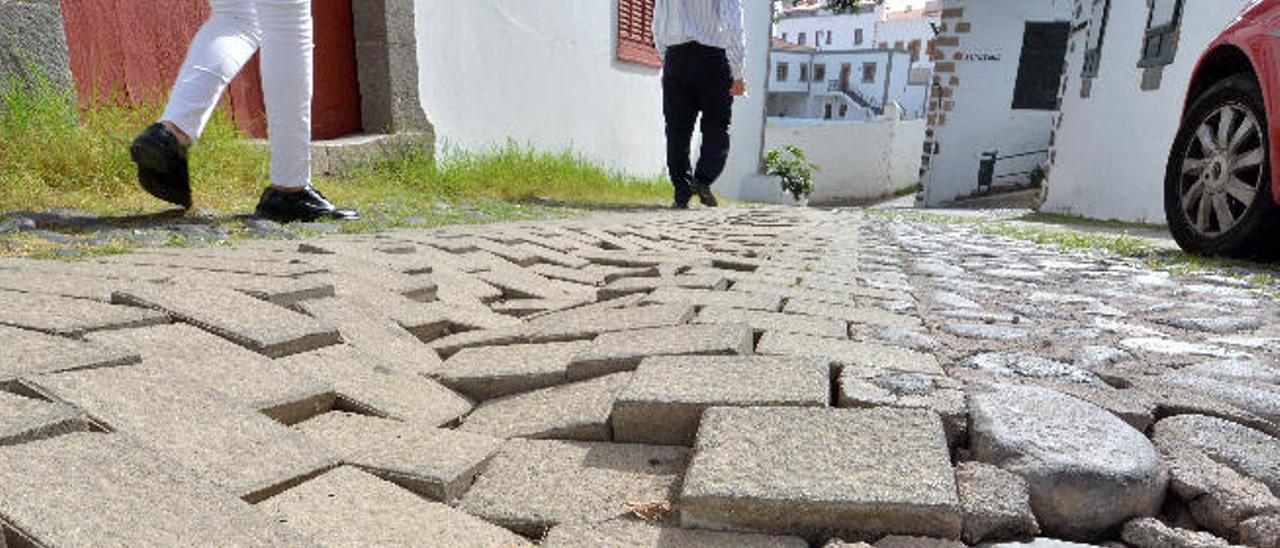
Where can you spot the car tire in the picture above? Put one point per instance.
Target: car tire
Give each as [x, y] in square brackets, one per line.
[1218, 197]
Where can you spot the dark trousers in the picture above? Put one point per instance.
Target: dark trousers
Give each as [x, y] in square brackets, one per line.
[696, 80]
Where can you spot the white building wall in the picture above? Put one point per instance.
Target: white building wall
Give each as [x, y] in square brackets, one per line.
[858, 160]
[843, 29]
[983, 118]
[793, 61]
[544, 73]
[1122, 176]
[907, 29]
[892, 70]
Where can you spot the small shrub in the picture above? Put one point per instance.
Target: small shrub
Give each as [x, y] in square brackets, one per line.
[793, 170]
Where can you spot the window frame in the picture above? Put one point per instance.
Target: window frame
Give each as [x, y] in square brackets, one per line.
[1092, 64]
[820, 72]
[801, 38]
[1168, 34]
[875, 70]
[782, 71]
[858, 37]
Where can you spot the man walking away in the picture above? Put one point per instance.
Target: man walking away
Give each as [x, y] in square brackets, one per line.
[703, 49]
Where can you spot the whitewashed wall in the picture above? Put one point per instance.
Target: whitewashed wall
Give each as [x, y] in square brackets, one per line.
[842, 28]
[1121, 176]
[544, 73]
[858, 160]
[983, 119]
[902, 28]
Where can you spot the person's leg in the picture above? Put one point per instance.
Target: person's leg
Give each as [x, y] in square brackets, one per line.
[223, 46]
[679, 108]
[288, 50]
[717, 115]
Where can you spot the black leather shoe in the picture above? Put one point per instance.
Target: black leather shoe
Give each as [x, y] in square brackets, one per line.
[680, 205]
[705, 195]
[162, 165]
[306, 205]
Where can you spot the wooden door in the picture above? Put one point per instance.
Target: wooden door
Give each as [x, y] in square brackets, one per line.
[846, 70]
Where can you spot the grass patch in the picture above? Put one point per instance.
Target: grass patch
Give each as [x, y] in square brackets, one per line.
[1075, 220]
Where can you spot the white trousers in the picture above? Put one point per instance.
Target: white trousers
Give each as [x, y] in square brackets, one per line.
[282, 29]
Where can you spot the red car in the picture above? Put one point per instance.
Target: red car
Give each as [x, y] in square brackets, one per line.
[1222, 185]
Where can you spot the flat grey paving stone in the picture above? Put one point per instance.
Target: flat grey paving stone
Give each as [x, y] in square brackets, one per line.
[276, 290]
[761, 322]
[436, 463]
[578, 411]
[70, 317]
[623, 350]
[1242, 371]
[532, 485]
[365, 329]
[424, 320]
[370, 385]
[87, 489]
[875, 317]
[860, 356]
[586, 323]
[486, 373]
[213, 261]
[1152, 533]
[75, 285]
[822, 473]
[995, 503]
[986, 331]
[523, 308]
[221, 440]
[450, 345]
[1262, 400]
[906, 541]
[29, 352]
[259, 326]
[23, 419]
[840, 296]
[243, 375]
[637, 534]
[347, 507]
[629, 286]
[1261, 531]
[707, 297]
[1221, 325]
[663, 403]
[1016, 365]
[858, 388]
[592, 274]
[1088, 472]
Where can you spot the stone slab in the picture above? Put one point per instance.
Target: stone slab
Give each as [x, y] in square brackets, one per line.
[245, 376]
[859, 388]
[28, 352]
[221, 440]
[663, 403]
[623, 350]
[593, 274]
[70, 317]
[578, 411]
[487, 373]
[347, 507]
[74, 285]
[259, 326]
[276, 290]
[369, 385]
[363, 328]
[637, 534]
[860, 356]
[630, 286]
[995, 504]
[87, 489]
[822, 473]
[707, 297]
[586, 323]
[436, 463]
[532, 485]
[23, 419]
[875, 317]
[761, 322]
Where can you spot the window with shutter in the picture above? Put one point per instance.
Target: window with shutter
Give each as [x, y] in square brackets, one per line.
[635, 33]
[1160, 44]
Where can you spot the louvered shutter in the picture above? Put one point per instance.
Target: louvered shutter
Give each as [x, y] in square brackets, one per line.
[635, 33]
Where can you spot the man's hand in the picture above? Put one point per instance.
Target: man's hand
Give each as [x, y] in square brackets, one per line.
[739, 88]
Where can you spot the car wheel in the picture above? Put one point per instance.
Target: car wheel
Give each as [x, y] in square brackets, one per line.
[1218, 198]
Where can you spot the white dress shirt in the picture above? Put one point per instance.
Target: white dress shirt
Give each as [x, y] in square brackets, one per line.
[715, 23]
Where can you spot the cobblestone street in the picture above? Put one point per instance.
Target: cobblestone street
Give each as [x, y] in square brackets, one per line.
[735, 378]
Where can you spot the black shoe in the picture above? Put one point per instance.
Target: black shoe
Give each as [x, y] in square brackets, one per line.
[162, 165]
[680, 205]
[306, 205]
[705, 195]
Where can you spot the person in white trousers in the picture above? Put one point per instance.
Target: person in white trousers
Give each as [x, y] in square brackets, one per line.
[282, 30]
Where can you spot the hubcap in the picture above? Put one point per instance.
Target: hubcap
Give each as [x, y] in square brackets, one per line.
[1222, 170]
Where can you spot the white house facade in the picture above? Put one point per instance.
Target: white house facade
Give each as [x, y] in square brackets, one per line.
[1135, 102]
[994, 101]
[559, 75]
[822, 30]
[840, 85]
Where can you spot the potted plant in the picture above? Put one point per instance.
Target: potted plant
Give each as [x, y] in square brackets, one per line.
[794, 172]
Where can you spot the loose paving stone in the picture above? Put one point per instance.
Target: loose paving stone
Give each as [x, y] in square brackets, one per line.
[1151, 533]
[852, 314]
[586, 323]
[245, 376]
[486, 373]
[347, 507]
[1223, 325]
[625, 532]
[1179, 400]
[86, 489]
[23, 419]
[1237, 370]
[578, 411]
[1092, 358]
[860, 389]
[1227, 473]
[849, 354]
[267, 329]
[986, 332]
[761, 322]
[76, 285]
[706, 297]
[436, 463]
[1088, 472]
[29, 352]
[226, 443]
[629, 286]
[664, 401]
[623, 350]
[907, 338]
[947, 299]
[284, 292]
[532, 485]
[996, 504]
[592, 274]
[1014, 365]
[70, 317]
[522, 308]
[367, 384]
[1171, 347]
[364, 329]
[1258, 400]
[822, 473]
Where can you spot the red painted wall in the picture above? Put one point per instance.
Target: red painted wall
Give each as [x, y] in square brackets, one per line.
[130, 51]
